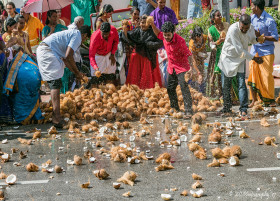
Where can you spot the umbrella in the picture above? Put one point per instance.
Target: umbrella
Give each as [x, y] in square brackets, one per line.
[40, 6]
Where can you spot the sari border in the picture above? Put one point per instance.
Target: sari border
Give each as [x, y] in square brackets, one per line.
[25, 121]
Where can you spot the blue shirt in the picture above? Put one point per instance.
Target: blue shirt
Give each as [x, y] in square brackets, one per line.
[267, 26]
[59, 42]
[144, 7]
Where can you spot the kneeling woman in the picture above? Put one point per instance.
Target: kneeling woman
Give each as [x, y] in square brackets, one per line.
[144, 68]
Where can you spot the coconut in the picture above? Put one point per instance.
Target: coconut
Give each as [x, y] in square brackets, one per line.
[197, 194]
[5, 157]
[235, 150]
[233, 161]
[215, 138]
[167, 130]
[101, 174]
[37, 134]
[97, 73]
[143, 156]
[165, 156]
[215, 163]
[11, 179]
[164, 165]
[24, 141]
[3, 175]
[128, 178]
[78, 160]
[196, 138]
[269, 140]
[58, 169]
[126, 125]
[196, 176]
[116, 185]
[200, 154]
[264, 122]
[243, 134]
[193, 147]
[195, 128]
[226, 151]
[2, 196]
[52, 131]
[218, 153]
[184, 193]
[31, 167]
[196, 185]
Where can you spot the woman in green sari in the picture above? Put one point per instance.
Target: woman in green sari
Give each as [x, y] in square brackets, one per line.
[216, 34]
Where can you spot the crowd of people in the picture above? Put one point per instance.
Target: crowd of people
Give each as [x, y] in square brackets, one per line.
[149, 40]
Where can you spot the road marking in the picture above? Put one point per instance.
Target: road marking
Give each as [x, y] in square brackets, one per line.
[262, 169]
[27, 182]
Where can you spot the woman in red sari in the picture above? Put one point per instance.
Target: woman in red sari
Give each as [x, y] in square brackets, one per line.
[144, 68]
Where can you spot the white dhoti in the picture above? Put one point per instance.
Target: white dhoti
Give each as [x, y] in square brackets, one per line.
[104, 65]
[50, 67]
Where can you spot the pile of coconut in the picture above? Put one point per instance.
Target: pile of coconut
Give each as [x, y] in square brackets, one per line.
[127, 102]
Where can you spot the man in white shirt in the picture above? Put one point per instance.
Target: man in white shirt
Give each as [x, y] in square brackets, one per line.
[55, 52]
[232, 61]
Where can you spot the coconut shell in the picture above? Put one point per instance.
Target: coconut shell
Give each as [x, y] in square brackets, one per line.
[37, 134]
[215, 163]
[85, 185]
[164, 165]
[215, 137]
[196, 138]
[58, 169]
[3, 175]
[227, 152]
[184, 193]
[101, 174]
[128, 178]
[196, 176]
[126, 125]
[234, 161]
[269, 140]
[196, 185]
[200, 154]
[165, 156]
[193, 147]
[223, 160]
[264, 122]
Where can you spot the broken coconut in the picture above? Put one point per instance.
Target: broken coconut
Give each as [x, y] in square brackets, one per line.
[116, 185]
[215, 163]
[196, 185]
[37, 134]
[3, 175]
[85, 185]
[264, 122]
[101, 174]
[164, 165]
[2, 196]
[196, 138]
[127, 194]
[58, 169]
[11, 179]
[184, 193]
[234, 161]
[128, 178]
[243, 134]
[217, 153]
[235, 150]
[165, 196]
[196, 176]
[163, 156]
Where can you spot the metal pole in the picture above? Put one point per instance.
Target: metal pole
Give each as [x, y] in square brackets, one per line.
[223, 6]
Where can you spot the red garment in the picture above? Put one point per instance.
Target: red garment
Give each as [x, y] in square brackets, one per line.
[206, 4]
[102, 47]
[177, 52]
[140, 72]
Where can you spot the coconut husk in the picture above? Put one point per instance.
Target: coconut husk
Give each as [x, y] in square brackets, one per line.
[101, 174]
[196, 185]
[196, 176]
[128, 178]
[164, 165]
[31, 167]
[215, 163]
[196, 138]
[78, 160]
[264, 122]
[218, 153]
[165, 156]
[235, 150]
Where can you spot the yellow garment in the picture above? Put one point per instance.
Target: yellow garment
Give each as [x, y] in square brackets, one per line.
[261, 78]
[32, 27]
[193, 46]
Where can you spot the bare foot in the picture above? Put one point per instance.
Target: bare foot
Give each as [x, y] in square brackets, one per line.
[252, 104]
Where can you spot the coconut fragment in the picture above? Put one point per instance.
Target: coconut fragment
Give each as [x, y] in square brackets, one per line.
[24, 141]
[200, 154]
[11, 179]
[196, 138]
[116, 185]
[78, 160]
[127, 194]
[5, 157]
[166, 196]
[196, 185]
[184, 193]
[243, 134]
[37, 134]
[164, 165]
[197, 194]
[215, 163]
[101, 174]
[264, 122]
[234, 161]
[85, 185]
[196, 176]
[235, 150]
[3, 175]
[128, 178]
[31, 167]
[2, 196]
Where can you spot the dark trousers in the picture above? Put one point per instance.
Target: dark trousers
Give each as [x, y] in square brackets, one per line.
[270, 3]
[173, 80]
[242, 92]
[239, 3]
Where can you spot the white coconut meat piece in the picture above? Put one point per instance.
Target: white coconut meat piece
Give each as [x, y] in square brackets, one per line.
[11, 179]
[166, 196]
